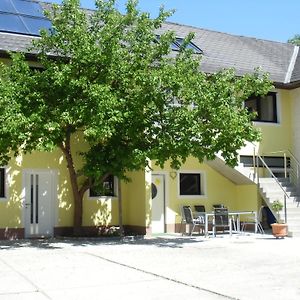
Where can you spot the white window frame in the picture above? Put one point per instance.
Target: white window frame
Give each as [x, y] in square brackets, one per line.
[106, 198]
[203, 184]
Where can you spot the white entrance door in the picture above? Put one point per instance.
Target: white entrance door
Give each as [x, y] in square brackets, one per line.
[158, 203]
[38, 203]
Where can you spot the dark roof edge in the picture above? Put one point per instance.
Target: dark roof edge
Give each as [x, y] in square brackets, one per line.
[29, 56]
[287, 86]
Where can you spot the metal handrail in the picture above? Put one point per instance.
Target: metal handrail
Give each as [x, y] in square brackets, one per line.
[294, 172]
[276, 180]
[283, 151]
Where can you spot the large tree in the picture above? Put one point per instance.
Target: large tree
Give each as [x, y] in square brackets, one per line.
[295, 40]
[110, 78]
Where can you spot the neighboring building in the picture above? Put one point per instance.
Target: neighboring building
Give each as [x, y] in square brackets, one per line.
[35, 190]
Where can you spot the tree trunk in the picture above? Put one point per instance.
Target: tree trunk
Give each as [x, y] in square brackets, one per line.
[77, 196]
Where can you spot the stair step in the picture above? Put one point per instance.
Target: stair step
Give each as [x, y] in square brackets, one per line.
[283, 180]
[294, 233]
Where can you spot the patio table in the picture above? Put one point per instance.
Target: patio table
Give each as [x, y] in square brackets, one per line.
[232, 214]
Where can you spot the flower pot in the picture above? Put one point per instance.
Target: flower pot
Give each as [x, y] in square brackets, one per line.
[279, 230]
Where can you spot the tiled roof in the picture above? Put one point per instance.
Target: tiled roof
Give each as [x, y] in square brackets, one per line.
[14, 42]
[223, 50]
[220, 50]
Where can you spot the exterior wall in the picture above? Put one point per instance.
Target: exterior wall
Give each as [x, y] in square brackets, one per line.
[136, 202]
[295, 120]
[97, 212]
[248, 198]
[219, 190]
[275, 136]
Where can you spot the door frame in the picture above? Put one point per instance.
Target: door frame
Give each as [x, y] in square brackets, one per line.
[165, 196]
[53, 190]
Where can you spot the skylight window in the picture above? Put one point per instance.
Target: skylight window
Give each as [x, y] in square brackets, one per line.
[175, 46]
[190, 45]
[22, 16]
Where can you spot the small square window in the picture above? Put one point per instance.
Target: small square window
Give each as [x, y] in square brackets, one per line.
[190, 184]
[264, 107]
[108, 189]
[2, 182]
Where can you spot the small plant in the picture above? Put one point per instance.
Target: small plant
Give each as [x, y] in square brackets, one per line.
[277, 206]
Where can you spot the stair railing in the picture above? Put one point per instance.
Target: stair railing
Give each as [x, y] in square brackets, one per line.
[259, 162]
[291, 168]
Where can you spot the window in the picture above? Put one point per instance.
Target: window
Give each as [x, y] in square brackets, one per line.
[190, 45]
[265, 107]
[109, 188]
[2, 183]
[190, 184]
[175, 46]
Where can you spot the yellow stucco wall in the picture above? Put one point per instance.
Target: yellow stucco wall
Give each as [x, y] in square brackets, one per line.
[37, 161]
[218, 190]
[295, 121]
[275, 136]
[278, 136]
[136, 200]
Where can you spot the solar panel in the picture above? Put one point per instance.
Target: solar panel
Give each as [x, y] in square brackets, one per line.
[6, 6]
[35, 25]
[28, 8]
[12, 23]
[22, 16]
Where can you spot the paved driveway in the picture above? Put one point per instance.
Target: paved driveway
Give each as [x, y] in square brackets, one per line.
[170, 266]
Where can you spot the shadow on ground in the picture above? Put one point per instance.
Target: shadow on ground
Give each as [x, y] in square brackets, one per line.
[60, 243]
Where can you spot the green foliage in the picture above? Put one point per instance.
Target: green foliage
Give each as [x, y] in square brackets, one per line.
[277, 206]
[106, 75]
[295, 40]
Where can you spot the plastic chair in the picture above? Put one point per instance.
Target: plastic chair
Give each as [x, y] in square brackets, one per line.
[187, 218]
[199, 208]
[253, 221]
[221, 220]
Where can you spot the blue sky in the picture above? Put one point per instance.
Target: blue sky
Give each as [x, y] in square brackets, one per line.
[275, 20]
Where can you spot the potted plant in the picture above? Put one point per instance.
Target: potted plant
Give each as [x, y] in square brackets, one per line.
[279, 229]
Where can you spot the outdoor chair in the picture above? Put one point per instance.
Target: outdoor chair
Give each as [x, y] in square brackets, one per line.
[218, 206]
[251, 221]
[199, 208]
[221, 220]
[200, 212]
[188, 219]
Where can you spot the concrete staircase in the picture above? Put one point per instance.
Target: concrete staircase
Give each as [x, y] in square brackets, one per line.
[271, 191]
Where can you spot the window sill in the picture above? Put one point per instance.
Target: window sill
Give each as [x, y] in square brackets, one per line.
[192, 197]
[264, 123]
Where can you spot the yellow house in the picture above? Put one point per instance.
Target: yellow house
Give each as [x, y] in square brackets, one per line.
[35, 192]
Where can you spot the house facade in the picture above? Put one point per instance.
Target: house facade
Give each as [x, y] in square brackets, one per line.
[35, 192]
